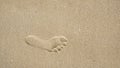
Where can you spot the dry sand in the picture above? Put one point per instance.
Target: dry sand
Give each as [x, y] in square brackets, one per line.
[91, 26]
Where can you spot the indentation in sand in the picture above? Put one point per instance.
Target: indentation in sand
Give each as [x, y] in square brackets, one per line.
[54, 44]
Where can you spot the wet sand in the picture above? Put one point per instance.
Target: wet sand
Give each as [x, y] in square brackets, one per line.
[91, 26]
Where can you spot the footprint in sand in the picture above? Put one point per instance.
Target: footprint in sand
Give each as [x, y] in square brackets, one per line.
[54, 44]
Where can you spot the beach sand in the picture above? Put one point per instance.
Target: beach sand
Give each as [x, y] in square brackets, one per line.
[92, 28]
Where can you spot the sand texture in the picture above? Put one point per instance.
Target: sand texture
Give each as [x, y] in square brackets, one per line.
[92, 28]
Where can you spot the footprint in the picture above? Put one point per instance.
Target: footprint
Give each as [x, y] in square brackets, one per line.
[54, 44]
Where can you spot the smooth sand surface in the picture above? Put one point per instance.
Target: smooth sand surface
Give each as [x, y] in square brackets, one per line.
[91, 26]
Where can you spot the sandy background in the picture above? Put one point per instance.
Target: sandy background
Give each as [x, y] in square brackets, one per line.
[92, 27]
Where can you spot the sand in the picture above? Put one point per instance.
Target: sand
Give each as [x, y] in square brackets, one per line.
[91, 26]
